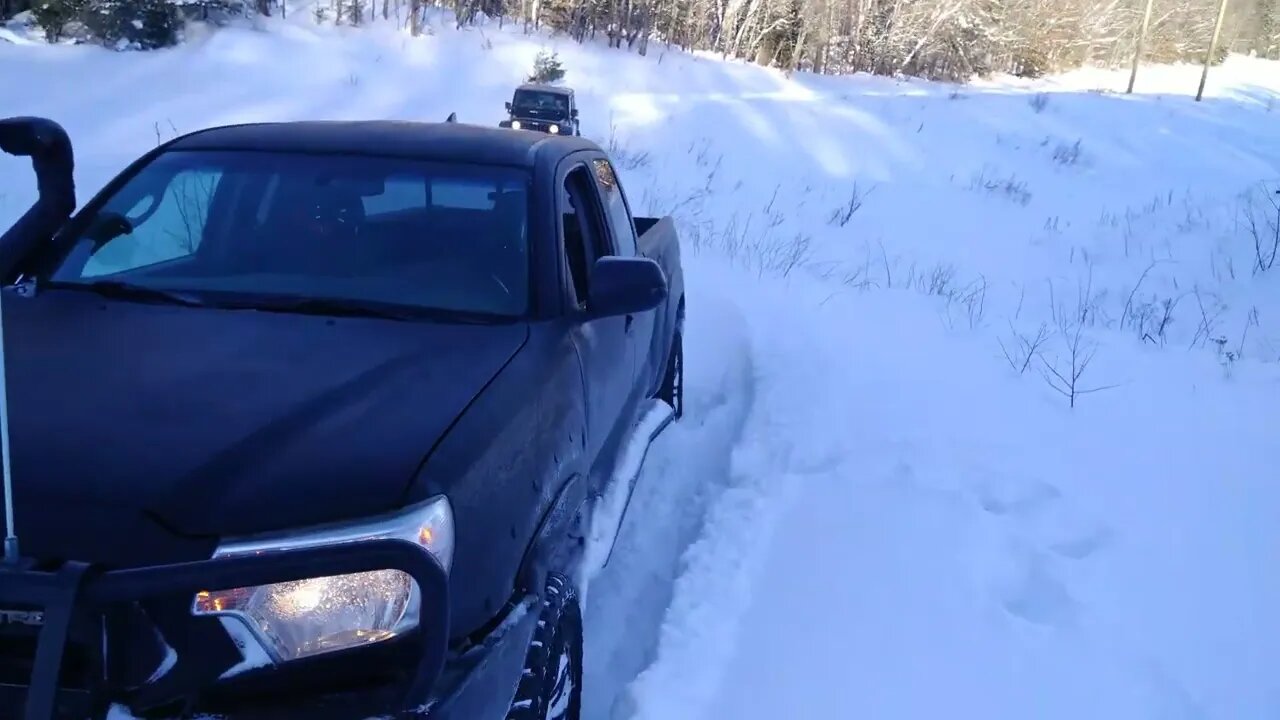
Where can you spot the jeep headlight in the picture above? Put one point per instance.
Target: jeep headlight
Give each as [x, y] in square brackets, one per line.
[554, 129]
[515, 124]
[317, 615]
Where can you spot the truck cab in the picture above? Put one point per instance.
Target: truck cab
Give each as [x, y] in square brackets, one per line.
[543, 108]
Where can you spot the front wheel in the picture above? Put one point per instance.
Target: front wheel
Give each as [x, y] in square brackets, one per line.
[672, 390]
[551, 684]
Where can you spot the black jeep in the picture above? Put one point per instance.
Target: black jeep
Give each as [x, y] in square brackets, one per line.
[543, 108]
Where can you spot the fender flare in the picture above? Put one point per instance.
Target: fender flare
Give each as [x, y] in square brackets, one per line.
[560, 540]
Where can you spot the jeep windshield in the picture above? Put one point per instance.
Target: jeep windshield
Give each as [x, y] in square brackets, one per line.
[536, 103]
[321, 234]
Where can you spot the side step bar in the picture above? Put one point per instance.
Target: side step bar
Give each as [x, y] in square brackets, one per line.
[611, 507]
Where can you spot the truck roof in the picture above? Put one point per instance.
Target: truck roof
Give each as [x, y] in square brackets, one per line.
[456, 142]
[552, 89]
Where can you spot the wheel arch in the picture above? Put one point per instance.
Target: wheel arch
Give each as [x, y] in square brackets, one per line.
[558, 544]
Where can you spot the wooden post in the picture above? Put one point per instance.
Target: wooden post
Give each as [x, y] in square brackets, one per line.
[1142, 39]
[1213, 47]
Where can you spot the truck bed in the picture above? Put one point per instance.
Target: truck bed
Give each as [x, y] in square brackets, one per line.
[653, 235]
[644, 223]
[658, 240]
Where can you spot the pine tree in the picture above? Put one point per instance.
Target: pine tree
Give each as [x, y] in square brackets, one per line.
[141, 24]
[53, 16]
[546, 68]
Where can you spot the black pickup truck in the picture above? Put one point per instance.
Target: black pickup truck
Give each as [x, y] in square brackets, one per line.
[308, 419]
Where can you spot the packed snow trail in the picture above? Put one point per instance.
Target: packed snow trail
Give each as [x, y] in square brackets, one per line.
[686, 469]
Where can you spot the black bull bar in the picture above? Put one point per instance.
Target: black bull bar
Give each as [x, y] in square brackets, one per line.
[77, 591]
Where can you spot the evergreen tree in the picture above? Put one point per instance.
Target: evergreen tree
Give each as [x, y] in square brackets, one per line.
[546, 68]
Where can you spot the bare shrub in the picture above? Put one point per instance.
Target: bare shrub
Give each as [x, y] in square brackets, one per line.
[1067, 154]
[1260, 213]
[973, 298]
[1151, 319]
[1229, 356]
[937, 282]
[1039, 102]
[1064, 370]
[781, 256]
[1206, 330]
[1011, 187]
[1023, 349]
[160, 139]
[763, 251]
[622, 156]
[843, 214]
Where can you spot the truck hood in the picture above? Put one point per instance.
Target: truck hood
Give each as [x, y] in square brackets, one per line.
[141, 433]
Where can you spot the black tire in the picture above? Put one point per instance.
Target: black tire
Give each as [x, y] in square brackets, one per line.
[551, 684]
[672, 390]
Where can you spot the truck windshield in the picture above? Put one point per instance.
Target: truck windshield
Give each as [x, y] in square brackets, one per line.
[541, 102]
[281, 227]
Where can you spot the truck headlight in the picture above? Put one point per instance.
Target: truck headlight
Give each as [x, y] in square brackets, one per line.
[554, 129]
[318, 615]
[515, 124]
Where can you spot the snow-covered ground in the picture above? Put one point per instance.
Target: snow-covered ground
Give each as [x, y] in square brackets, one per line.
[876, 505]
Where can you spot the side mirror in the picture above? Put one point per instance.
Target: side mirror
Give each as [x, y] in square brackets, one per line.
[574, 113]
[508, 106]
[625, 285]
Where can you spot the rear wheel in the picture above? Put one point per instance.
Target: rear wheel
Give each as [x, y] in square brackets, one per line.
[551, 683]
[672, 390]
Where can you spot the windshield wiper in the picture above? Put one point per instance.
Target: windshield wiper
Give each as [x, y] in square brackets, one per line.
[336, 307]
[347, 307]
[117, 289]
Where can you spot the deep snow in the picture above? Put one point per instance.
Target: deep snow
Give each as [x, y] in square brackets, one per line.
[868, 510]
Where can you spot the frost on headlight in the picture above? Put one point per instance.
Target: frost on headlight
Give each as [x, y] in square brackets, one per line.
[307, 617]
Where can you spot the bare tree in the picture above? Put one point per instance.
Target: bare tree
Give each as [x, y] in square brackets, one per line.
[939, 39]
[1064, 374]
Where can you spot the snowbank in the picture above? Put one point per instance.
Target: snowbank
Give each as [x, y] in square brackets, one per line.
[915, 532]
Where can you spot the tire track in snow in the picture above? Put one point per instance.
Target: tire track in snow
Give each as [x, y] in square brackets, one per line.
[780, 449]
[686, 469]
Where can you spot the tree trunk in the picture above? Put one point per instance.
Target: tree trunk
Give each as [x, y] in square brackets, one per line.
[415, 17]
